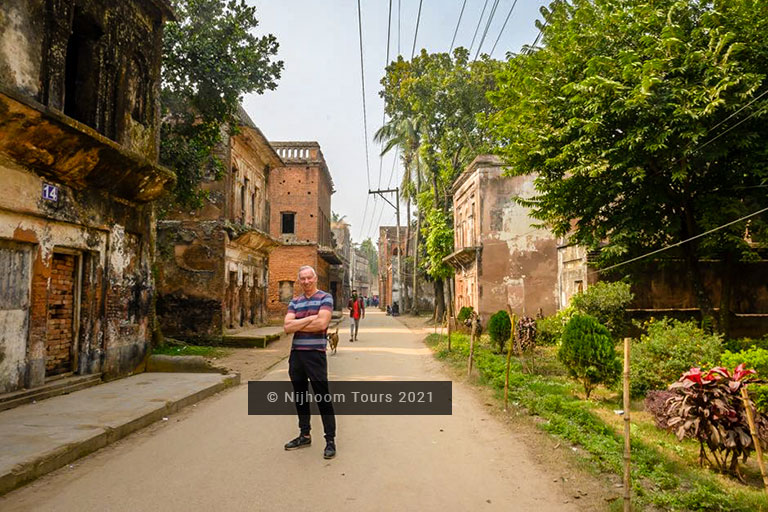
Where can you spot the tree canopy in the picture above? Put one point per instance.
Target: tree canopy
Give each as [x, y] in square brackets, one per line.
[211, 58]
[645, 123]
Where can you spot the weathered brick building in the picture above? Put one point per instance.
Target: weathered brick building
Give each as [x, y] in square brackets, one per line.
[361, 277]
[213, 263]
[300, 195]
[79, 87]
[389, 248]
[499, 258]
[340, 277]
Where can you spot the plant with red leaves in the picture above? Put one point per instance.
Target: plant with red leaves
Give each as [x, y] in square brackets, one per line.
[707, 406]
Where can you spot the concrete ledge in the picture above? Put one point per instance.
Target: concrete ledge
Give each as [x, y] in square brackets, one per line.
[249, 341]
[181, 364]
[36, 439]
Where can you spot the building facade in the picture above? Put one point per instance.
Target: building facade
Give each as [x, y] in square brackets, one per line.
[79, 143]
[389, 250]
[361, 277]
[340, 279]
[213, 263]
[300, 196]
[499, 258]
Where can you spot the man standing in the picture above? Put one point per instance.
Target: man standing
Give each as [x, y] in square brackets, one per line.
[356, 312]
[308, 317]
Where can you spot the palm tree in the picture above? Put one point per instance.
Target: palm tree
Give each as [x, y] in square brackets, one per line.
[406, 134]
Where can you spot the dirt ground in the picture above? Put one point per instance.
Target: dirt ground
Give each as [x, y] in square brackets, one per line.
[214, 456]
[588, 489]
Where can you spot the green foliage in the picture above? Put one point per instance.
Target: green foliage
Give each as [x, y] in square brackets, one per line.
[587, 351]
[668, 349]
[659, 482]
[607, 302]
[372, 254]
[464, 313]
[210, 60]
[617, 114]
[756, 359]
[500, 328]
[551, 327]
[438, 240]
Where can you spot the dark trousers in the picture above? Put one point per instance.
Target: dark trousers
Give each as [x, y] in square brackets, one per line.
[305, 366]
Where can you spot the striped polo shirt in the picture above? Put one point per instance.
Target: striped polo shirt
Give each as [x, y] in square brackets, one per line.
[302, 307]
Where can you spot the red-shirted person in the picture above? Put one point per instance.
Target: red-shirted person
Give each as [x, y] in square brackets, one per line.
[356, 307]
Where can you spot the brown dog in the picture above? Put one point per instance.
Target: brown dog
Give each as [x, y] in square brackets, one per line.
[333, 339]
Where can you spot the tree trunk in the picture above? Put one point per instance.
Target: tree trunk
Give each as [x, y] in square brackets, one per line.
[697, 283]
[449, 285]
[415, 302]
[726, 292]
[403, 279]
[439, 299]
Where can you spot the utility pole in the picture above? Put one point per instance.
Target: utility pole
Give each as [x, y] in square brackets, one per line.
[396, 206]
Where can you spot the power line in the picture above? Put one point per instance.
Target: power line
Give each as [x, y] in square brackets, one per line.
[753, 114]
[718, 228]
[384, 114]
[416, 33]
[509, 14]
[362, 82]
[487, 26]
[482, 13]
[463, 5]
[365, 212]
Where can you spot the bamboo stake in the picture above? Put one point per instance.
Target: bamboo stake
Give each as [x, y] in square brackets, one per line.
[753, 431]
[509, 359]
[442, 321]
[627, 489]
[449, 333]
[471, 344]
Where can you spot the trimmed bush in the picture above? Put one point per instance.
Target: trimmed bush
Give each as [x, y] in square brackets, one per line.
[550, 328]
[607, 302]
[500, 328]
[756, 359]
[670, 348]
[587, 351]
[464, 314]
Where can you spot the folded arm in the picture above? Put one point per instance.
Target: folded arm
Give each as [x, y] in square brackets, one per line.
[292, 324]
[321, 321]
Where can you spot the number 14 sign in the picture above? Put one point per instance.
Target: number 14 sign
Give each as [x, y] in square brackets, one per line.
[50, 192]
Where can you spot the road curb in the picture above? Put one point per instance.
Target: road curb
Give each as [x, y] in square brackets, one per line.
[61, 456]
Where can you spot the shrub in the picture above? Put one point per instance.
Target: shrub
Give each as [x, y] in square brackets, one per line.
[550, 328]
[587, 351]
[656, 403]
[668, 349]
[500, 328]
[606, 302]
[526, 333]
[742, 344]
[708, 408]
[464, 314]
[757, 359]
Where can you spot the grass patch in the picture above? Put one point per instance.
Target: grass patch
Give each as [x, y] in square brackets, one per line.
[191, 350]
[665, 473]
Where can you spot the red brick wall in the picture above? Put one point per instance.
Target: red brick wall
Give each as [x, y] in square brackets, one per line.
[61, 302]
[295, 189]
[284, 264]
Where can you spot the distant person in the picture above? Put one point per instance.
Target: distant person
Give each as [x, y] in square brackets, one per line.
[356, 307]
[308, 317]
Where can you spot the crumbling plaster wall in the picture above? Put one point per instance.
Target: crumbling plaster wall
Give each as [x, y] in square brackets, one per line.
[21, 40]
[518, 262]
[110, 236]
[191, 278]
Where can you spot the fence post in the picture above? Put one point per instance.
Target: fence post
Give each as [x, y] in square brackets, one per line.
[627, 488]
[449, 332]
[753, 431]
[471, 344]
[509, 359]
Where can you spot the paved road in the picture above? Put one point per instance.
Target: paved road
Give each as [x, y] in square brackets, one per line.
[216, 457]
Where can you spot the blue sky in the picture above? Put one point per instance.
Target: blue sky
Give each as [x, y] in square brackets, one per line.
[319, 95]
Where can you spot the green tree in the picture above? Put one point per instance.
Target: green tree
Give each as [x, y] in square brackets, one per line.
[373, 256]
[587, 351]
[441, 94]
[210, 60]
[500, 329]
[631, 114]
[607, 302]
